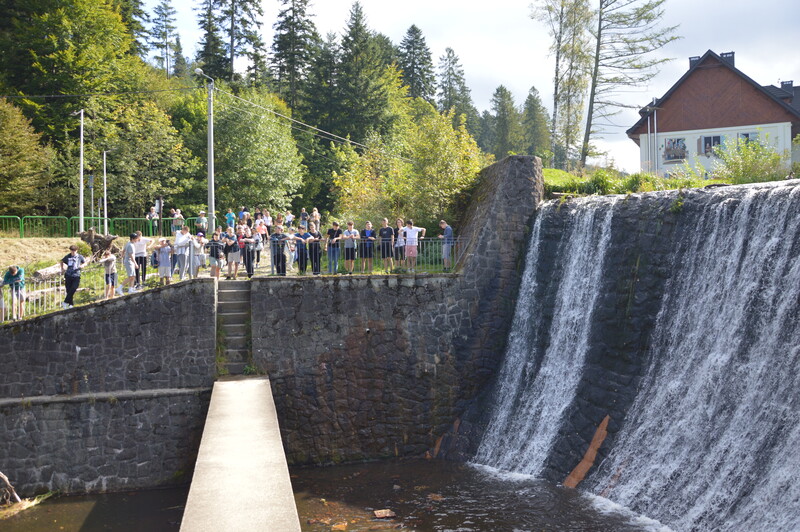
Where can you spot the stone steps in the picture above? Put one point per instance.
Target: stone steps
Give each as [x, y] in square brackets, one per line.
[233, 314]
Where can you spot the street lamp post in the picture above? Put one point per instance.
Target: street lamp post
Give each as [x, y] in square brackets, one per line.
[212, 211]
[80, 184]
[105, 195]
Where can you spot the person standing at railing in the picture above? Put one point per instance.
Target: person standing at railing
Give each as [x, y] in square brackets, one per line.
[15, 278]
[261, 230]
[232, 254]
[278, 242]
[350, 237]
[152, 217]
[130, 264]
[447, 243]
[302, 239]
[164, 250]
[250, 241]
[199, 253]
[178, 222]
[183, 241]
[215, 253]
[400, 243]
[368, 238]
[314, 252]
[386, 238]
[413, 235]
[109, 262]
[201, 224]
[141, 246]
[71, 266]
[332, 248]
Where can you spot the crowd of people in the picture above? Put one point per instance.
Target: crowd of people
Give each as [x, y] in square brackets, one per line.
[287, 240]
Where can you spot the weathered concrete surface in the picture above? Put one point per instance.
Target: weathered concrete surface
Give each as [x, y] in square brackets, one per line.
[241, 459]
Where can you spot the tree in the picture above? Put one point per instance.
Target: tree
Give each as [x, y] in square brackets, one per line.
[507, 124]
[180, 67]
[567, 22]
[162, 33]
[257, 162]
[416, 65]
[24, 162]
[242, 22]
[363, 94]
[625, 33]
[536, 126]
[454, 94]
[135, 18]
[293, 49]
[211, 53]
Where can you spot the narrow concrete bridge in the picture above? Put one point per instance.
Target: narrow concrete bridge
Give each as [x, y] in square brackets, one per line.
[241, 480]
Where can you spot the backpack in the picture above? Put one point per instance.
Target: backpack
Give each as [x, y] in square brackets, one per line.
[154, 259]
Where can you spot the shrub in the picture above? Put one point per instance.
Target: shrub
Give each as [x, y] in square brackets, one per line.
[749, 162]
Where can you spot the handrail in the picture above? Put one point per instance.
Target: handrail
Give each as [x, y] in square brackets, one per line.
[10, 224]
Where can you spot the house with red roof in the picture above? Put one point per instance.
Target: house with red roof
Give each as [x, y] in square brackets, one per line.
[711, 103]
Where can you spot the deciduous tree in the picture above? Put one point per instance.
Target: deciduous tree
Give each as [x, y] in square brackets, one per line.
[625, 34]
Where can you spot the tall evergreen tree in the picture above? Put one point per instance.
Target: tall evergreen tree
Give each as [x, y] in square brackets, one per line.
[487, 136]
[389, 53]
[241, 22]
[135, 17]
[293, 49]
[320, 105]
[536, 126]
[507, 124]
[626, 32]
[363, 94]
[416, 65]
[454, 94]
[162, 33]
[211, 54]
[180, 67]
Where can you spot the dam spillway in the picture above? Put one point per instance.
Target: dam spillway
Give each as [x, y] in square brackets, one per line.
[675, 315]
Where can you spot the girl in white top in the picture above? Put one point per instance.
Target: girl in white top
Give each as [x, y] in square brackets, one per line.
[412, 233]
[140, 247]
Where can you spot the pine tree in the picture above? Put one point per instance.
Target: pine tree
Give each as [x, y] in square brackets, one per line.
[416, 65]
[454, 93]
[507, 124]
[536, 126]
[180, 68]
[136, 19]
[241, 22]
[211, 54]
[363, 94]
[293, 49]
[162, 33]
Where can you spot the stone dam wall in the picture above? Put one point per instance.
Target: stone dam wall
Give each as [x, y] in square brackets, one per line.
[373, 367]
[114, 395]
[110, 396]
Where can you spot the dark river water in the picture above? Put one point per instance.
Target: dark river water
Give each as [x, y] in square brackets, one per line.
[423, 495]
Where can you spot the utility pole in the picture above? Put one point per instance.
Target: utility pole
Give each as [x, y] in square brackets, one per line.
[80, 184]
[212, 212]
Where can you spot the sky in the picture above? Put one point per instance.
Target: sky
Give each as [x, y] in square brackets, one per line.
[498, 43]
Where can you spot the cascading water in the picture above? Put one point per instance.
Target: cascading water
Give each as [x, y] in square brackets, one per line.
[532, 396]
[710, 440]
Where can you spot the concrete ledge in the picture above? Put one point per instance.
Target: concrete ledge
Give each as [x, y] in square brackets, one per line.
[105, 396]
[241, 456]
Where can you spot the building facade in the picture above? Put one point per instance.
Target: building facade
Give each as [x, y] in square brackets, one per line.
[712, 103]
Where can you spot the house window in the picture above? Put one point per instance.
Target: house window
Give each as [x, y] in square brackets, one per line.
[748, 137]
[707, 145]
[674, 149]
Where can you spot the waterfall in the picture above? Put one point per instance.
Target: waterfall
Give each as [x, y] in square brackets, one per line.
[711, 442]
[709, 439]
[532, 396]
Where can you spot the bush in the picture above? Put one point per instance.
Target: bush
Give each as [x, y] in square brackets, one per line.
[749, 162]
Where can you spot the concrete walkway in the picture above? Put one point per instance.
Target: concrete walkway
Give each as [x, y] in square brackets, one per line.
[241, 480]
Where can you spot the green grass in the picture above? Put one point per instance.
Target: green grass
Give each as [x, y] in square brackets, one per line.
[611, 182]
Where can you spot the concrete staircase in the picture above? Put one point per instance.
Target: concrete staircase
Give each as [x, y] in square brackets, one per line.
[233, 314]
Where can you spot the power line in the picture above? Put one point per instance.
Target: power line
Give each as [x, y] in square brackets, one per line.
[98, 93]
[332, 135]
